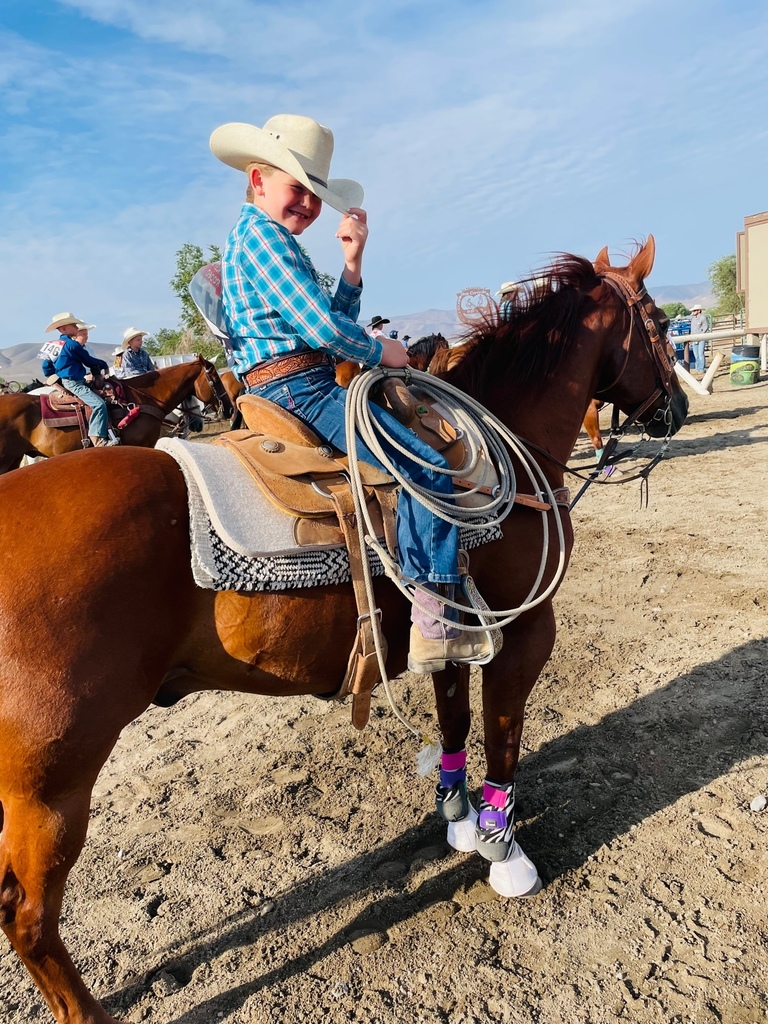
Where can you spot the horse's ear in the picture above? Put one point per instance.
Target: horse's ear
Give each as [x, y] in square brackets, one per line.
[641, 265]
[602, 261]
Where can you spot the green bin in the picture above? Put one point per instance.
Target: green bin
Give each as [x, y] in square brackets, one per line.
[745, 365]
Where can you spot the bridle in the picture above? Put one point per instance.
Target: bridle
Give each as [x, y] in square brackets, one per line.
[641, 321]
[222, 402]
[640, 306]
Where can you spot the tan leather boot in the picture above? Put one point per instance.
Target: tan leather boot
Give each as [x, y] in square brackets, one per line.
[431, 655]
[103, 442]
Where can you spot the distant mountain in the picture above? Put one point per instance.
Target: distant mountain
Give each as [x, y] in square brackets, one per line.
[685, 293]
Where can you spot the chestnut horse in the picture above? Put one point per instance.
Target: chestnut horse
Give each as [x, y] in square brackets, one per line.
[420, 355]
[22, 431]
[72, 675]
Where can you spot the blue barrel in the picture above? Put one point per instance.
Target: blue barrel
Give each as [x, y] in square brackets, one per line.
[745, 365]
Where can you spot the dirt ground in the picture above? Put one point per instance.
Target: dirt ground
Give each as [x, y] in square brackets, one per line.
[258, 862]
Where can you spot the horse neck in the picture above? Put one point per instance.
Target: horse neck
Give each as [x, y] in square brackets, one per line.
[550, 412]
[173, 385]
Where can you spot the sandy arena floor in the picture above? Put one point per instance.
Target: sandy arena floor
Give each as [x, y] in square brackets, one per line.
[258, 862]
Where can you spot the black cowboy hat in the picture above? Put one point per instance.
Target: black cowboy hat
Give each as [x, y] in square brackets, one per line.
[377, 322]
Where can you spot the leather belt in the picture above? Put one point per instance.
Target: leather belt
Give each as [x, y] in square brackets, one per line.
[283, 366]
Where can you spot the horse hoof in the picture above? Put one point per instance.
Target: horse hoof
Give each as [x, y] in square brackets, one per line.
[516, 876]
[462, 834]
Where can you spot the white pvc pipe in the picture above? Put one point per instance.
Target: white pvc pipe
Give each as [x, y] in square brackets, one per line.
[706, 380]
[692, 383]
[681, 339]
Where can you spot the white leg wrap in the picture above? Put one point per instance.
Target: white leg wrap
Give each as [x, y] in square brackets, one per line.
[461, 834]
[515, 876]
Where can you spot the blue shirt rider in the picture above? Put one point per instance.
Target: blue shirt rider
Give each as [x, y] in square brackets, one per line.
[71, 366]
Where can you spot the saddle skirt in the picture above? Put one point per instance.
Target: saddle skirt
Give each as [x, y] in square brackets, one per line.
[262, 511]
[60, 409]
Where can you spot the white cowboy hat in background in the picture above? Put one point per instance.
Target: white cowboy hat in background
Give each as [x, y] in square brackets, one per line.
[695, 306]
[297, 145]
[508, 286]
[61, 320]
[84, 327]
[131, 333]
[117, 350]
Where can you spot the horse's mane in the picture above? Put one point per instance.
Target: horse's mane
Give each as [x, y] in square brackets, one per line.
[527, 338]
[426, 347]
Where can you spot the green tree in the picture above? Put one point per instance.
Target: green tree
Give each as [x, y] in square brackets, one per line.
[189, 259]
[722, 278]
[327, 281]
[673, 309]
[165, 343]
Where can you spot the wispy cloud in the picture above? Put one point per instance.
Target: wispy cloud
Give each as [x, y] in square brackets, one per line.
[486, 135]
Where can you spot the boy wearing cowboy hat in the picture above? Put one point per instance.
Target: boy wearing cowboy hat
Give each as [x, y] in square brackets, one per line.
[71, 366]
[136, 359]
[287, 332]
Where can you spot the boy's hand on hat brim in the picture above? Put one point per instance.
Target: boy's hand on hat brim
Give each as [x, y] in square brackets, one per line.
[353, 234]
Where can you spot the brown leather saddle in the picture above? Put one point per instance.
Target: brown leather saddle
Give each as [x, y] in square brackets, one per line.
[309, 480]
[61, 409]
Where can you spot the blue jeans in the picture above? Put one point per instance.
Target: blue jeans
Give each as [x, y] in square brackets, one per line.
[99, 421]
[697, 351]
[427, 545]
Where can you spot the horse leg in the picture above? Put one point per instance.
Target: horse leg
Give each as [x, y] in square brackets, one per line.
[451, 801]
[592, 427]
[507, 683]
[41, 839]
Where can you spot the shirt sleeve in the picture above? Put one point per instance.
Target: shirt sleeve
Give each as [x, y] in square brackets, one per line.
[284, 281]
[92, 362]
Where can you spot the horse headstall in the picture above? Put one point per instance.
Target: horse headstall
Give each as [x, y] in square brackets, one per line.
[222, 402]
[640, 306]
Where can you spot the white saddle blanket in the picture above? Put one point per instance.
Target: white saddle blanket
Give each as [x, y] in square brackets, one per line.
[241, 541]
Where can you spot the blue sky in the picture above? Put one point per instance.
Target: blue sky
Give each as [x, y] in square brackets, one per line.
[487, 135]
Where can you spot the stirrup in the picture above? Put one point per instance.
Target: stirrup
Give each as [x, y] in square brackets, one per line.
[474, 599]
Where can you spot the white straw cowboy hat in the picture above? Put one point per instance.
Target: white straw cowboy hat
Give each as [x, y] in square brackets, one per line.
[508, 286]
[81, 326]
[297, 145]
[61, 320]
[131, 333]
[117, 351]
[695, 306]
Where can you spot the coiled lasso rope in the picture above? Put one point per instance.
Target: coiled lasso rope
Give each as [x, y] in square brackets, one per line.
[496, 444]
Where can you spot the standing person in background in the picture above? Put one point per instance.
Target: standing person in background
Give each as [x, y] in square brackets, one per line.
[135, 359]
[699, 325]
[71, 367]
[374, 328]
[506, 295]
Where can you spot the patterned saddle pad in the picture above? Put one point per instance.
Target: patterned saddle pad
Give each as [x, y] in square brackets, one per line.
[241, 541]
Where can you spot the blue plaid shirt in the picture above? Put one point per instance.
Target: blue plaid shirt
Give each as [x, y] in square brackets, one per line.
[273, 303]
